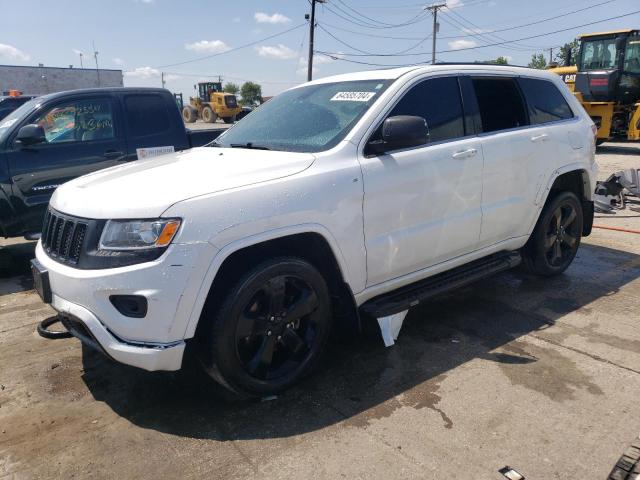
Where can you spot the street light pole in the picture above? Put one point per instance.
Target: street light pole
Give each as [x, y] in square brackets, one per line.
[434, 10]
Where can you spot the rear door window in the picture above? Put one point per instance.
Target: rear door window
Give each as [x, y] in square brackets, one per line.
[500, 103]
[546, 103]
[146, 114]
[438, 101]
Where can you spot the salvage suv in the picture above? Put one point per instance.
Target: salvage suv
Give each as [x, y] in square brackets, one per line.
[356, 194]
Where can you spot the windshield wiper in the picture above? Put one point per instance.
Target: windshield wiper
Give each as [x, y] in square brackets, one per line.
[250, 145]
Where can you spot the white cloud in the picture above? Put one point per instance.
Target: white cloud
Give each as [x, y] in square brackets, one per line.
[454, 3]
[461, 44]
[13, 53]
[77, 52]
[117, 61]
[279, 51]
[209, 46]
[262, 17]
[143, 73]
[317, 60]
[146, 73]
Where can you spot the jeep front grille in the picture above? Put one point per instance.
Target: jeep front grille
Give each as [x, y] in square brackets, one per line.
[63, 237]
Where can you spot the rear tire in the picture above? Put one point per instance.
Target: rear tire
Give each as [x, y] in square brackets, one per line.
[229, 119]
[556, 236]
[270, 330]
[208, 115]
[189, 114]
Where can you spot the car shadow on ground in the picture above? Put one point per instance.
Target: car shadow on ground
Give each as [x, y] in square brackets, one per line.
[361, 380]
[15, 270]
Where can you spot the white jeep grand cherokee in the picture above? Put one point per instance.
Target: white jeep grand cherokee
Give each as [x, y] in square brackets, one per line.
[359, 193]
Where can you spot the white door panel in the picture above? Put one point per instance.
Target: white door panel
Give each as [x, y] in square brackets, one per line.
[421, 207]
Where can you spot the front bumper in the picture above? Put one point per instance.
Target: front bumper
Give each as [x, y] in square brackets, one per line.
[85, 325]
[170, 284]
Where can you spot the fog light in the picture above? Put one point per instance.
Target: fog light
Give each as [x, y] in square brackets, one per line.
[134, 306]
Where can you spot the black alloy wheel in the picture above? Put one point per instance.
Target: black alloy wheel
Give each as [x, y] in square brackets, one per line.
[562, 238]
[271, 329]
[556, 237]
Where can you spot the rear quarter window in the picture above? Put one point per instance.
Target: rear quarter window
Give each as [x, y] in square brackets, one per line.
[545, 102]
[146, 114]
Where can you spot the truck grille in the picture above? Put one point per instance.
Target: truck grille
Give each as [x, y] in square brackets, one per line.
[63, 237]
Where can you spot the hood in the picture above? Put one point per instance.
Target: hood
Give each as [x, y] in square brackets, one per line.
[146, 188]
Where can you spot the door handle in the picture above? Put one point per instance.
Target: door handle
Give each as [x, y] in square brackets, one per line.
[465, 153]
[113, 154]
[540, 138]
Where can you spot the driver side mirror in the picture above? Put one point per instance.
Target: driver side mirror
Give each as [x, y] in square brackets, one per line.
[401, 131]
[31, 135]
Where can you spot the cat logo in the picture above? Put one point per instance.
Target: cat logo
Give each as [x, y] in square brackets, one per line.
[569, 78]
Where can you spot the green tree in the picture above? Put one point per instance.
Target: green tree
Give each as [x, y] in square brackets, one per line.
[538, 61]
[501, 61]
[232, 88]
[251, 93]
[561, 56]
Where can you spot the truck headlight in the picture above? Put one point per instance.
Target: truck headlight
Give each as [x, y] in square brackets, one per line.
[138, 234]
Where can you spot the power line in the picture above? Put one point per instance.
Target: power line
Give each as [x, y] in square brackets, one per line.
[422, 40]
[250, 44]
[515, 27]
[492, 44]
[354, 20]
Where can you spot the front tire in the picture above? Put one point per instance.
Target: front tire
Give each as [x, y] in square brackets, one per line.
[229, 119]
[556, 237]
[208, 115]
[270, 330]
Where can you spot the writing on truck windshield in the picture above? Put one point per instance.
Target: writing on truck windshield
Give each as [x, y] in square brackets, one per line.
[306, 119]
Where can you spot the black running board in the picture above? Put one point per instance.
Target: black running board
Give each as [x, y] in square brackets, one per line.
[411, 295]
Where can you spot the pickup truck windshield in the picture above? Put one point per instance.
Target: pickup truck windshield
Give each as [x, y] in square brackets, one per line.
[8, 122]
[306, 119]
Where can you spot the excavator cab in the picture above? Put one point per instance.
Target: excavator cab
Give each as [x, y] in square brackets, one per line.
[609, 67]
[206, 89]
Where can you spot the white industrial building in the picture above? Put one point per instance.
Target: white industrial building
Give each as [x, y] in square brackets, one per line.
[40, 80]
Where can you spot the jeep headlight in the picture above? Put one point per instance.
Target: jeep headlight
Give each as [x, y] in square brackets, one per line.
[138, 234]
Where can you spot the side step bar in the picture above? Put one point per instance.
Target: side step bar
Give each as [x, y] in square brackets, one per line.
[411, 295]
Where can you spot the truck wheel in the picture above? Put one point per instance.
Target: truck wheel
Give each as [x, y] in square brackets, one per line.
[208, 115]
[189, 114]
[270, 330]
[229, 119]
[556, 237]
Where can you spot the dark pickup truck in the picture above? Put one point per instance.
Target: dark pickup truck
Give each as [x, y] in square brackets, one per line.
[55, 138]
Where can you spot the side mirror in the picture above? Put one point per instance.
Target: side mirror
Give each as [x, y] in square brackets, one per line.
[31, 135]
[620, 43]
[401, 131]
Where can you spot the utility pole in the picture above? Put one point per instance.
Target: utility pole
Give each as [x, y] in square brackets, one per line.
[550, 54]
[95, 55]
[162, 78]
[434, 10]
[80, 53]
[312, 26]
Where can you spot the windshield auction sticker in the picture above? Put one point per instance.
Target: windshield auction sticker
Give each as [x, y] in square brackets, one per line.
[352, 96]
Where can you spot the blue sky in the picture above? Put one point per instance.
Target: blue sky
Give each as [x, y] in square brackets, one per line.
[141, 37]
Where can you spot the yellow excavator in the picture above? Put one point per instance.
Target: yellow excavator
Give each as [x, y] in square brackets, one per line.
[210, 104]
[606, 81]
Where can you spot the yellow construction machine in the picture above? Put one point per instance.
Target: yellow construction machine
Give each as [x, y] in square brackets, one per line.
[210, 104]
[606, 81]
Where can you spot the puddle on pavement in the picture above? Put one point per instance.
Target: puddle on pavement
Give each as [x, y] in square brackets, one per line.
[551, 374]
[419, 397]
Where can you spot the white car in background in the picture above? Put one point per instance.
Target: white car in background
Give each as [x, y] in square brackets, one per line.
[362, 193]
